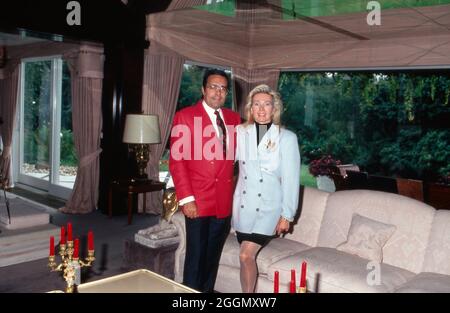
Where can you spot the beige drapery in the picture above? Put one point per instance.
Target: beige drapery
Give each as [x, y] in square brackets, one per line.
[86, 68]
[162, 80]
[244, 80]
[267, 34]
[162, 77]
[86, 65]
[9, 83]
[182, 4]
[161, 85]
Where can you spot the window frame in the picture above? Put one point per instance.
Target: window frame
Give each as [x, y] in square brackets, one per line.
[51, 186]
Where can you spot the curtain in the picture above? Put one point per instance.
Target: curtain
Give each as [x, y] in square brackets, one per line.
[86, 68]
[9, 83]
[256, 12]
[182, 4]
[161, 87]
[244, 80]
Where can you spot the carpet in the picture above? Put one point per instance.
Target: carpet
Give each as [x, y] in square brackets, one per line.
[26, 237]
[24, 214]
[110, 234]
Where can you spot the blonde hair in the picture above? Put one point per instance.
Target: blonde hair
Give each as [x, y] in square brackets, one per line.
[276, 101]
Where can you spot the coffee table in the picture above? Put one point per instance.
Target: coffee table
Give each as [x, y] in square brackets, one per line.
[138, 281]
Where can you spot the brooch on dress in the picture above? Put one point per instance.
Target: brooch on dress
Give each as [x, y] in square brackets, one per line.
[270, 145]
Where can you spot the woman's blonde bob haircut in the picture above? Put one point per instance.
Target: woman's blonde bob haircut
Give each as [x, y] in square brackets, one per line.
[276, 101]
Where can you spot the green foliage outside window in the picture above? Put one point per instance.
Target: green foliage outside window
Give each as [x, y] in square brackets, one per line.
[388, 123]
[68, 155]
[392, 124]
[191, 87]
[37, 115]
[190, 93]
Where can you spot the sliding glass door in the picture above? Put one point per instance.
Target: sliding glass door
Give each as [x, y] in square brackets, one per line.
[47, 159]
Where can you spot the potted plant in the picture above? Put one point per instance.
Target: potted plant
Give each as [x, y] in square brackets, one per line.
[322, 169]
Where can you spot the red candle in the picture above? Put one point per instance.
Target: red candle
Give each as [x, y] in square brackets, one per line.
[303, 277]
[62, 239]
[76, 247]
[52, 246]
[292, 284]
[69, 232]
[276, 282]
[90, 240]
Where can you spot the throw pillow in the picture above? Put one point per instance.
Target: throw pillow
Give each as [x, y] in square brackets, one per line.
[366, 238]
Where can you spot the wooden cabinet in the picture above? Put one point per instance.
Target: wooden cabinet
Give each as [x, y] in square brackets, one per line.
[438, 196]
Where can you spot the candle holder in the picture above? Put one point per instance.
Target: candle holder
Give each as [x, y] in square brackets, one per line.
[301, 289]
[70, 265]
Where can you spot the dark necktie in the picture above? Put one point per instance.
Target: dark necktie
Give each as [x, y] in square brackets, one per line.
[222, 132]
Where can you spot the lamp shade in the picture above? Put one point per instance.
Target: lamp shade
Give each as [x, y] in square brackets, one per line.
[141, 128]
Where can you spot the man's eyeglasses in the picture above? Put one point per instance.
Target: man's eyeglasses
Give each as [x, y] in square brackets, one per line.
[214, 87]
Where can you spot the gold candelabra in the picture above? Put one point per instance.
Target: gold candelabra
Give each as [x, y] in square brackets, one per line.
[70, 265]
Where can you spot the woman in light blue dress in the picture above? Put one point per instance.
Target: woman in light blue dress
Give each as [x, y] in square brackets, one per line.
[266, 195]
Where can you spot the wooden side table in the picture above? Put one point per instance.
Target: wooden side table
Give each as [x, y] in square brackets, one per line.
[131, 187]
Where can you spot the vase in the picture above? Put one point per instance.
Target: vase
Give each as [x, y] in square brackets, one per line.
[325, 183]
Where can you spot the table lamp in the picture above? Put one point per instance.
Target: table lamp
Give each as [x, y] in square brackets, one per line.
[141, 130]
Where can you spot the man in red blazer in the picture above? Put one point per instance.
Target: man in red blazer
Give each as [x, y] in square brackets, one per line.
[202, 150]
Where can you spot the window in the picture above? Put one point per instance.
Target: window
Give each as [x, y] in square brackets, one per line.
[47, 158]
[393, 124]
[191, 86]
[190, 93]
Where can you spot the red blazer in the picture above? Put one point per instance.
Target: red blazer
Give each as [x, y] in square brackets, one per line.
[196, 172]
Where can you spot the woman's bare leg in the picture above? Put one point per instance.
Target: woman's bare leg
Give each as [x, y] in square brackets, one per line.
[249, 270]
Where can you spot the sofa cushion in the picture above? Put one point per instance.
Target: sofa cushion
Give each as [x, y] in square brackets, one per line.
[312, 207]
[277, 249]
[330, 270]
[413, 219]
[427, 282]
[366, 238]
[437, 256]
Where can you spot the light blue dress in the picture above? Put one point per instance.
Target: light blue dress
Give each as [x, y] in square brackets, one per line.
[269, 179]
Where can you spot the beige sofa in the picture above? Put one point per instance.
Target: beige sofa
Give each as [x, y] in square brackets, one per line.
[415, 258]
